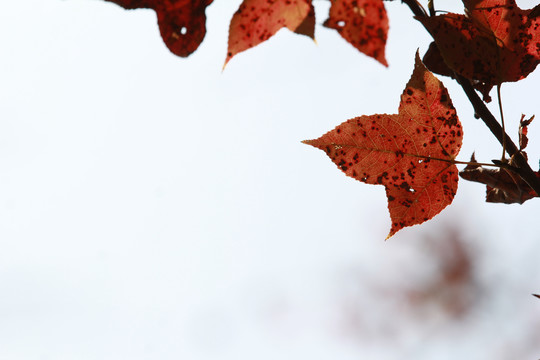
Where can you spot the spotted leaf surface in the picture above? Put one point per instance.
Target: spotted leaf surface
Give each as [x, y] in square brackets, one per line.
[409, 153]
[494, 42]
[182, 23]
[256, 21]
[363, 23]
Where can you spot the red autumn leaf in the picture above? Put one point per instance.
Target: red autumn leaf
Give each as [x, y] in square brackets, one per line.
[182, 23]
[410, 153]
[494, 42]
[363, 23]
[256, 21]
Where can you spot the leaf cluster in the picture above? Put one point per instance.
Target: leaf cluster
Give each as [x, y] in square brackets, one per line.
[411, 153]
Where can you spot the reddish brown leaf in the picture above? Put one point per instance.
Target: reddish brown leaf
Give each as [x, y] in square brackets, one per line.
[257, 20]
[363, 23]
[410, 153]
[182, 23]
[434, 61]
[494, 42]
[538, 296]
[502, 185]
[523, 130]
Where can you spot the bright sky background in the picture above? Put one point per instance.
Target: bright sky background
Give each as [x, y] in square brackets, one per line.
[153, 207]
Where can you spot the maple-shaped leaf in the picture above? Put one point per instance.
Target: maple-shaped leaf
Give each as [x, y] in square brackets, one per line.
[182, 23]
[363, 23]
[256, 21]
[494, 42]
[411, 153]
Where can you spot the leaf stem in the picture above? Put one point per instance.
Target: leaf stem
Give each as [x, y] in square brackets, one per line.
[474, 163]
[496, 163]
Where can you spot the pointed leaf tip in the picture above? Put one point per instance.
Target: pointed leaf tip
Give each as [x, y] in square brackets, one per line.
[256, 21]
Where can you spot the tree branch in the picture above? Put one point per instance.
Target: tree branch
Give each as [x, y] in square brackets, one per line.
[522, 166]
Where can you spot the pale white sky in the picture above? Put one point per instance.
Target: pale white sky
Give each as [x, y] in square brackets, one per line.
[153, 207]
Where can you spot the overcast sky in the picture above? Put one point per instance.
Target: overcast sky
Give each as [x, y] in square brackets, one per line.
[153, 207]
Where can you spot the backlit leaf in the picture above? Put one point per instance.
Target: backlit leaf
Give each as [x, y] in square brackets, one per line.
[182, 23]
[411, 153]
[363, 23]
[256, 21]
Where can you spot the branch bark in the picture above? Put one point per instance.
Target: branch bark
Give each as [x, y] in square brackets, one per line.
[523, 169]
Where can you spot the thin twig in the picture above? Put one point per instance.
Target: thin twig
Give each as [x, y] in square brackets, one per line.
[502, 121]
[416, 8]
[523, 168]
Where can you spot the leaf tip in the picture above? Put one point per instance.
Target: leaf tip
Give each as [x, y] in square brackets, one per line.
[417, 60]
[227, 59]
[536, 295]
[393, 230]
